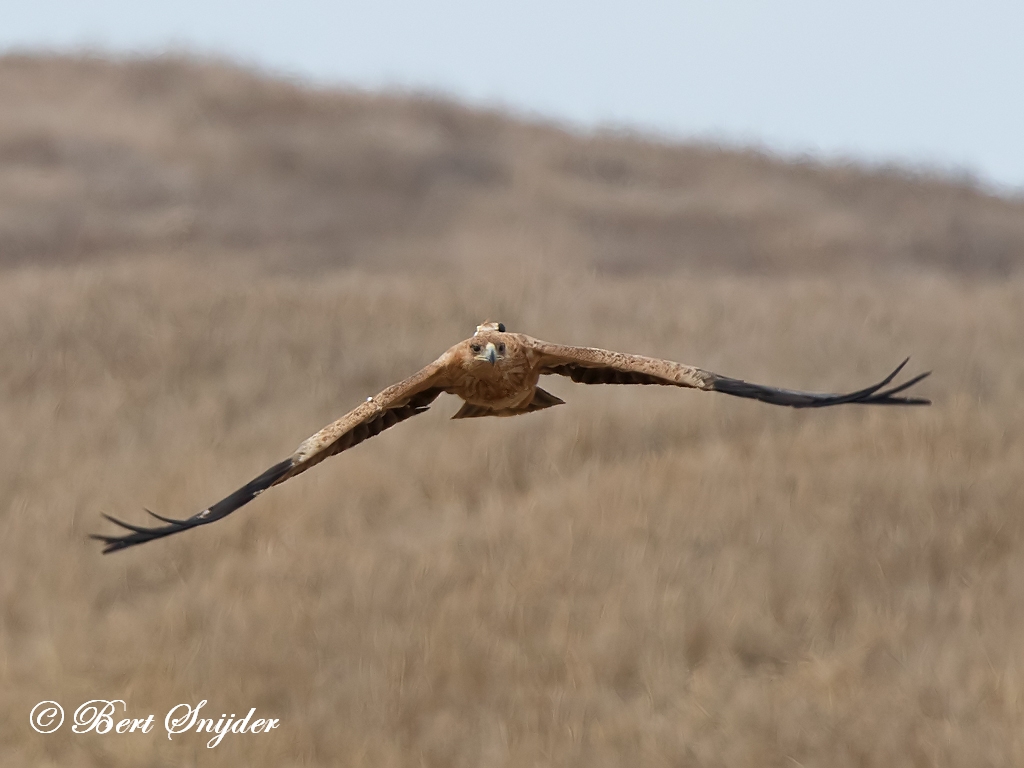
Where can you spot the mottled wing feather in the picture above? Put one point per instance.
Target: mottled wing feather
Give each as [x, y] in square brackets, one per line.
[601, 366]
[395, 404]
[589, 365]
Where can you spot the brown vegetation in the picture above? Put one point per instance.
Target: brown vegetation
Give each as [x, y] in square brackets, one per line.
[199, 267]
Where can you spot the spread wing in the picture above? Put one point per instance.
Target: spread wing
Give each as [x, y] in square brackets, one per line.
[601, 366]
[395, 404]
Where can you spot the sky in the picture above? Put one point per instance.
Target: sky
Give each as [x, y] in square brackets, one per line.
[936, 85]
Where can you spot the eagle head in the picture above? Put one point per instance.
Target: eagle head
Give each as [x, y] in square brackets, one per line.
[488, 345]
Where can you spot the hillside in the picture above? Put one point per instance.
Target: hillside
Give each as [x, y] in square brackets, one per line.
[200, 267]
[101, 159]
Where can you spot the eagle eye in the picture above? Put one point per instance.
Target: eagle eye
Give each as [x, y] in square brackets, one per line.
[475, 347]
[501, 349]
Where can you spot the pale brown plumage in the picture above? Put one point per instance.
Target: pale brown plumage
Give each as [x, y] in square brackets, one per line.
[496, 373]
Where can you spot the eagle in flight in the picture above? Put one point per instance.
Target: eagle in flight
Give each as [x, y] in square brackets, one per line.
[495, 372]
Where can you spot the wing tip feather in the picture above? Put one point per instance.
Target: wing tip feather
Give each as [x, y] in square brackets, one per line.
[799, 399]
[139, 534]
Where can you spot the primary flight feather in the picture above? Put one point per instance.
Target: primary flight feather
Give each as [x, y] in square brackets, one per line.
[496, 373]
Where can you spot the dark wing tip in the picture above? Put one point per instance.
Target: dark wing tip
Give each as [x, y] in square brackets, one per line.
[139, 535]
[168, 520]
[873, 395]
[886, 397]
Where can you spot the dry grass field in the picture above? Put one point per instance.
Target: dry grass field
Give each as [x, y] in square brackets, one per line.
[199, 267]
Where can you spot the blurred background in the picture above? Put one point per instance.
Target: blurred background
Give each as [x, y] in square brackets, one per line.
[224, 225]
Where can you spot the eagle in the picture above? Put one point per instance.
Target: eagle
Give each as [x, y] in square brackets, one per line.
[496, 372]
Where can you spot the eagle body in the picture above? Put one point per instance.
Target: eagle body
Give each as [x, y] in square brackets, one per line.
[507, 382]
[496, 373]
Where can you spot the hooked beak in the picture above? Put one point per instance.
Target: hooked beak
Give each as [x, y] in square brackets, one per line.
[490, 354]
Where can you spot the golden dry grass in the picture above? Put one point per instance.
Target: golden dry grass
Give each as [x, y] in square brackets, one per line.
[641, 576]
